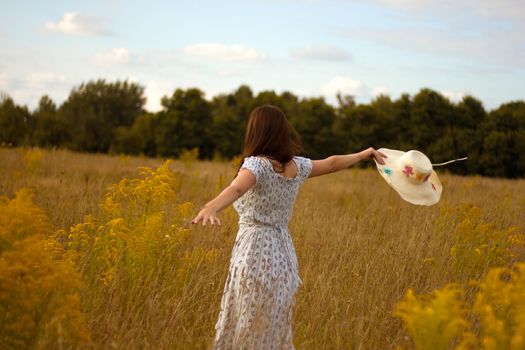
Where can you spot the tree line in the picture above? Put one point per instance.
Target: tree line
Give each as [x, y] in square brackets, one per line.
[109, 117]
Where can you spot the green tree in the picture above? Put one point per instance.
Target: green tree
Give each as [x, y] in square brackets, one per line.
[388, 118]
[314, 122]
[230, 115]
[508, 117]
[502, 140]
[49, 128]
[286, 101]
[95, 109]
[496, 157]
[402, 110]
[358, 128]
[184, 123]
[469, 115]
[430, 114]
[519, 149]
[342, 123]
[137, 139]
[15, 122]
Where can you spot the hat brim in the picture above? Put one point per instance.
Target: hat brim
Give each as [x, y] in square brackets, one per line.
[426, 193]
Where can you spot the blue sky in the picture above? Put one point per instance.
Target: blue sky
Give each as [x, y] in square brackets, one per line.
[309, 47]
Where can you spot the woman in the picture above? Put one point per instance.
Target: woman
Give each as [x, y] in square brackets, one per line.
[259, 294]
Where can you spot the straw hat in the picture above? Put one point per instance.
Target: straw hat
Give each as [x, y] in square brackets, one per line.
[412, 176]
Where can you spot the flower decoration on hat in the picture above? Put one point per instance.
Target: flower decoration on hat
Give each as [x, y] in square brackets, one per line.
[408, 171]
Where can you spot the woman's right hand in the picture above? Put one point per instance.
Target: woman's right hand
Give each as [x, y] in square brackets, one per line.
[376, 155]
[207, 214]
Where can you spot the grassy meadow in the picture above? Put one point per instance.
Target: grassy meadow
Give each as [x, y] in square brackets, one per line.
[128, 271]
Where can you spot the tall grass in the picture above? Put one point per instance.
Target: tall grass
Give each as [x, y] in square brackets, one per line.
[152, 281]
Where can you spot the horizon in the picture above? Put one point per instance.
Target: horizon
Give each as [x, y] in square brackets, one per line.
[333, 103]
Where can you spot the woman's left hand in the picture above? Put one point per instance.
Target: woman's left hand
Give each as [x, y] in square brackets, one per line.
[207, 214]
[376, 155]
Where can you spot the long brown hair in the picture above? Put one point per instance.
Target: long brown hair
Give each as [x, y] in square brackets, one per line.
[270, 134]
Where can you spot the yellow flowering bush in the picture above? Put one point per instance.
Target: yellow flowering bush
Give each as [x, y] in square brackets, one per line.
[434, 320]
[39, 285]
[494, 320]
[137, 251]
[500, 304]
[476, 312]
[479, 246]
[33, 159]
[189, 156]
[139, 219]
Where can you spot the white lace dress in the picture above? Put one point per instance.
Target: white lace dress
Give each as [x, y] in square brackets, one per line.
[259, 294]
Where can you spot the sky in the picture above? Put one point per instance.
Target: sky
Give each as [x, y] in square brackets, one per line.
[309, 47]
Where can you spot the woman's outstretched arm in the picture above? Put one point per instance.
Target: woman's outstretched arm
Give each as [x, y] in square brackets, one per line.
[243, 182]
[340, 162]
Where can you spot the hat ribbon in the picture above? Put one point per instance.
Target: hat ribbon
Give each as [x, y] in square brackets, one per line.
[450, 161]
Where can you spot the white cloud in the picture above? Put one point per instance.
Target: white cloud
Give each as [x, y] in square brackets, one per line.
[153, 96]
[511, 9]
[210, 93]
[41, 81]
[28, 89]
[224, 52]
[4, 81]
[481, 31]
[321, 52]
[342, 85]
[304, 93]
[485, 47]
[454, 96]
[226, 72]
[116, 56]
[154, 91]
[76, 24]
[133, 79]
[380, 90]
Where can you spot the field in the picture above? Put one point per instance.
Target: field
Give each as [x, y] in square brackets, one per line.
[134, 274]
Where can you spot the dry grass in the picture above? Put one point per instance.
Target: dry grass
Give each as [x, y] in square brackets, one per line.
[360, 247]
